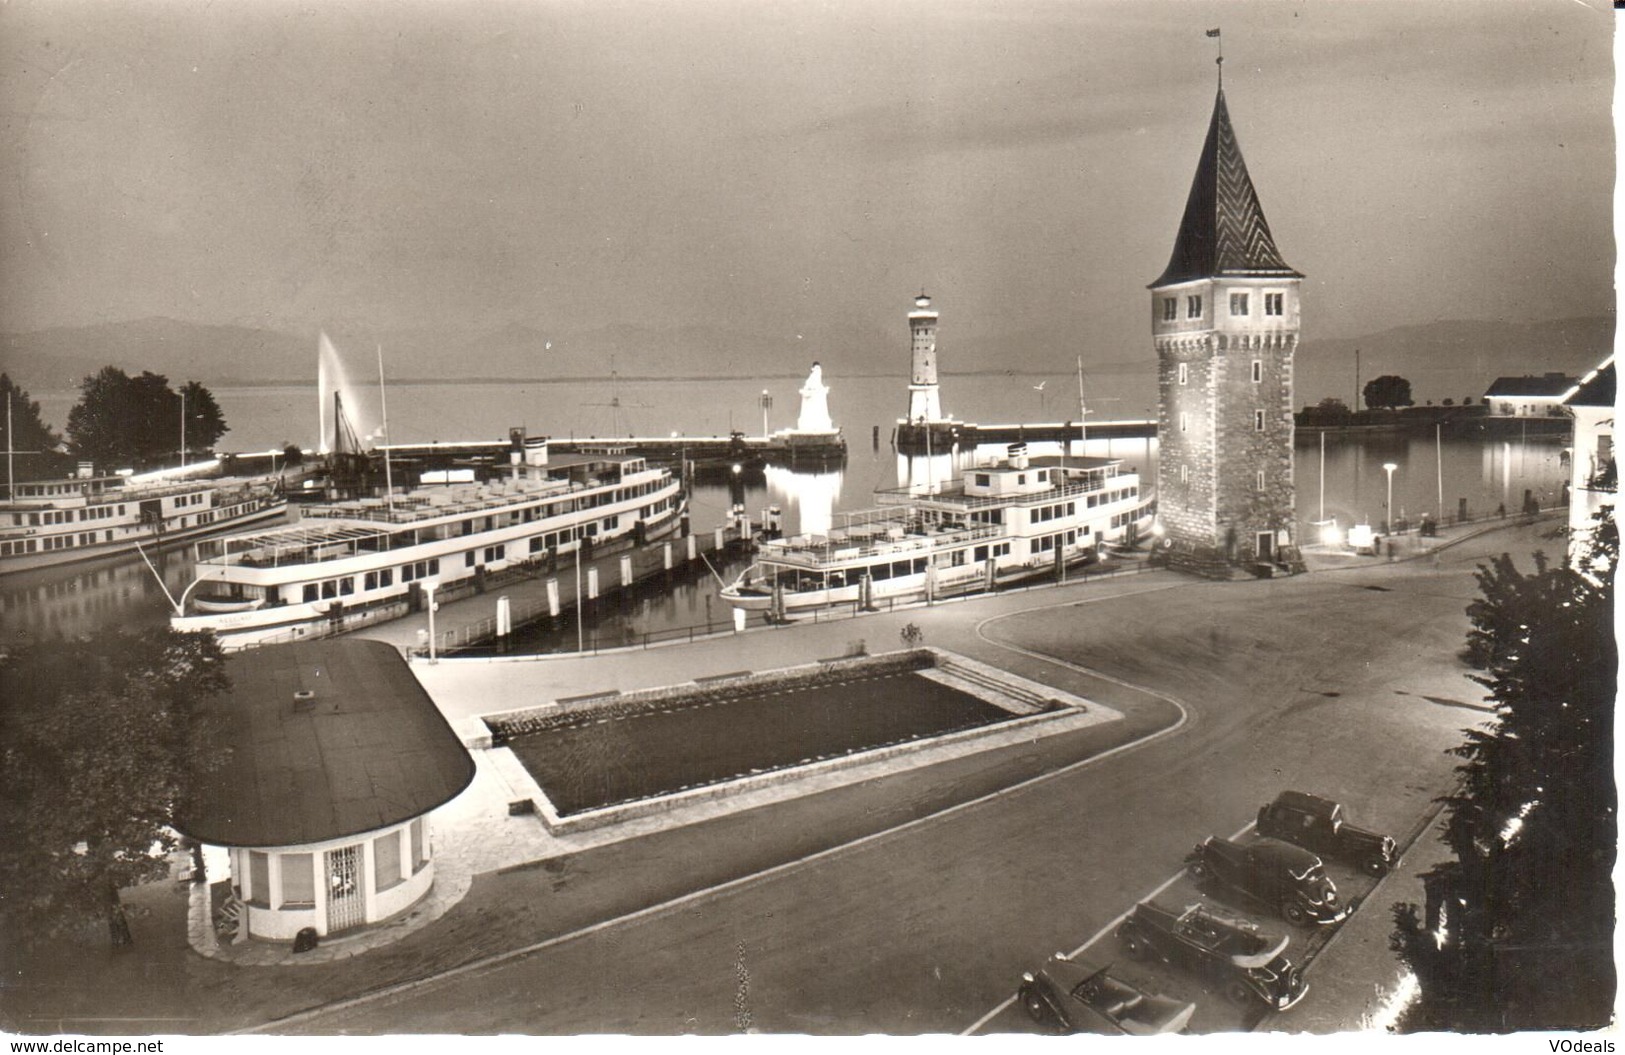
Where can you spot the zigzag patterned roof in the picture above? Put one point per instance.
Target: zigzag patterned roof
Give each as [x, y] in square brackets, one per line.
[1224, 231]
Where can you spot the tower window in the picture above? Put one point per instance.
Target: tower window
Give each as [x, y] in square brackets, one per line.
[1184, 474]
[1184, 422]
[1274, 303]
[1258, 420]
[1258, 370]
[1184, 372]
[1260, 484]
[1238, 303]
[1193, 307]
[1170, 309]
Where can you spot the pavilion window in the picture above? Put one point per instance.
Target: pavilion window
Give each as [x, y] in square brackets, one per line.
[420, 844]
[386, 860]
[298, 881]
[1170, 309]
[1193, 307]
[259, 879]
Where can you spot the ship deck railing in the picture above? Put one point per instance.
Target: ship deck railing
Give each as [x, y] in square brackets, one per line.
[415, 508]
[953, 494]
[840, 545]
[281, 547]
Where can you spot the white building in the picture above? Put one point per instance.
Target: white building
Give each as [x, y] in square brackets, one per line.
[337, 758]
[1593, 475]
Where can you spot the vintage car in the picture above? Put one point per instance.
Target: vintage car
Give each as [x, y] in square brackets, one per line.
[1073, 998]
[1284, 877]
[1317, 824]
[1245, 963]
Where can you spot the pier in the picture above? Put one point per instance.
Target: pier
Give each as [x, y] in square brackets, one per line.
[794, 450]
[539, 589]
[941, 436]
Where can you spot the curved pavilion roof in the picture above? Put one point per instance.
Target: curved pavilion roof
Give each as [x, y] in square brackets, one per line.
[368, 750]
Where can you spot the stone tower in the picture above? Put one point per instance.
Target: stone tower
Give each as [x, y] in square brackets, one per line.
[924, 404]
[1224, 316]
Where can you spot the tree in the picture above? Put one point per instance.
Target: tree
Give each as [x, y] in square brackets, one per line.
[1518, 927]
[1332, 405]
[1388, 391]
[204, 422]
[122, 420]
[31, 440]
[99, 739]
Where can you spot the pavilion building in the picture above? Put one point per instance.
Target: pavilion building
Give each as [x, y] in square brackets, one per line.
[337, 758]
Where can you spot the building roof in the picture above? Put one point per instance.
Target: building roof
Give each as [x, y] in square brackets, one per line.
[1596, 389]
[1224, 232]
[368, 750]
[1553, 385]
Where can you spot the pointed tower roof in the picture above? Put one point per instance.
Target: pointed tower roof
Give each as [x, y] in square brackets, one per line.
[1224, 231]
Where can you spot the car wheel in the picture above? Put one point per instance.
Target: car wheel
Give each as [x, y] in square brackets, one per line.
[1375, 865]
[1237, 992]
[1134, 948]
[1037, 1009]
[1294, 913]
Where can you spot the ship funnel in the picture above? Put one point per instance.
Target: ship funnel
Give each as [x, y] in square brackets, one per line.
[1017, 454]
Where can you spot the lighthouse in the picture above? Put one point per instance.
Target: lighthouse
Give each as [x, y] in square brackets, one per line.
[924, 404]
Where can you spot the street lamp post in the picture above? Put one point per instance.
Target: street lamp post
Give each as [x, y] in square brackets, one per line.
[1388, 510]
[428, 593]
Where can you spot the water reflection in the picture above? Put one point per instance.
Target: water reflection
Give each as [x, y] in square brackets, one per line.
[809, 499]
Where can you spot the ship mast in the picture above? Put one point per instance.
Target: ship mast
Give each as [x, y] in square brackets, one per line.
[383, 406]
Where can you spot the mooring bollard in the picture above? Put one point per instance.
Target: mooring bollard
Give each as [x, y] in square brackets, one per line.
[553, 598]
[626, 571]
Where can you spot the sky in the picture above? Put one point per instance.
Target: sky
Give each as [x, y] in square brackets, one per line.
[773, 166]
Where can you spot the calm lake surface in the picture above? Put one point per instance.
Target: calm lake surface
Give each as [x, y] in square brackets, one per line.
[122, 591]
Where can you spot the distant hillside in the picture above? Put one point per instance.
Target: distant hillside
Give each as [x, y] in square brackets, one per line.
[1450, 360]
[215, 355]
[1441, 360]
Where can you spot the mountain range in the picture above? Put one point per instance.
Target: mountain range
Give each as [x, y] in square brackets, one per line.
[1441, 359]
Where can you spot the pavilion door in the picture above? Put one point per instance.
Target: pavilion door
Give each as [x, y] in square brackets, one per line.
[1266, 545]
[346, 906]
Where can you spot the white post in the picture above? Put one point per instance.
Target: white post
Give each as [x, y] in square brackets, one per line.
[1438, 454]
[592, 584]
[719, 538]
[183, 428]
[504, 616]
[693, 547]
[1323, 476]
[668, 556]
[428, 593]
[626, 571]
[580, 636]
[553, 598]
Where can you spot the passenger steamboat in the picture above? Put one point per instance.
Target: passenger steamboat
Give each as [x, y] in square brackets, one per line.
[50, 522]
[358, 557]
[998, 523]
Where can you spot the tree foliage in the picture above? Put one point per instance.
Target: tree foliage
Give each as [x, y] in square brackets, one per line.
[28, 430]
[124, 421]
[31, 440]
[98, 739]
[1518, 927]
[1388, 391]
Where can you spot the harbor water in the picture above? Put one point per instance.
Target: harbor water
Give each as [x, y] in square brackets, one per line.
[1432, 476]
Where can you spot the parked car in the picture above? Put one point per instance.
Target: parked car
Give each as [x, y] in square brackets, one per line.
[1286, 878]
[1317, 824]
[1076, 999]
[1246, 964]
